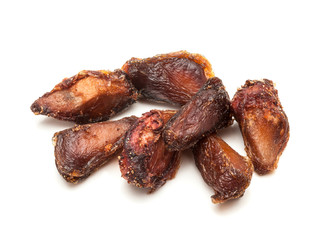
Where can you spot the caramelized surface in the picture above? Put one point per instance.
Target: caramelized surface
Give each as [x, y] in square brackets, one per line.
[173, 78]
[145, 162]
[207, 111]
[89, 96]
[264, 124]
[83, 149]
[222, 168]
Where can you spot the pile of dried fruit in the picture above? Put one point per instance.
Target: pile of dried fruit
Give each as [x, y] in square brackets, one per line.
[150, 146]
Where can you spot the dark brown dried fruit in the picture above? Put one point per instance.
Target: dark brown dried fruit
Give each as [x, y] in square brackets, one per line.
[222, 168]
[83, 149]
[89, 96]
[263, 123]
[207, 111]
[145, 162]
[173, 78]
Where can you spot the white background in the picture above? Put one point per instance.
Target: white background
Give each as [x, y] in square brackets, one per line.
[43, 42]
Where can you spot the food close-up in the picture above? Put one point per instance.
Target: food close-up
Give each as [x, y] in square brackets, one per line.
[89, 96]
[263, 123]
[83, 149]
[149, 147]
[145, 161]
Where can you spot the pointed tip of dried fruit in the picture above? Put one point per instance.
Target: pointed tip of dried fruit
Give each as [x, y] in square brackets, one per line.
[89, 96]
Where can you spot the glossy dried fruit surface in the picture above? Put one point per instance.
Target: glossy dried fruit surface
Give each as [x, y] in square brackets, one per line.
[89, 96]
[83, 149]
[263, 123]
[145, 162]
[222, 168]
[173, 78]
[207, 111]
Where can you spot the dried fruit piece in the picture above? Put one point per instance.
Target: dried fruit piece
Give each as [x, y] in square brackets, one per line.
[83, 149]
[89, 96]
[263, 123]
[173, 78]
[222, 168]
[207, 111]
[145, 162]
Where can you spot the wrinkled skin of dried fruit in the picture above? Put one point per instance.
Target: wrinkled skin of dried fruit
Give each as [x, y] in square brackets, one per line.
[145, 162]
[172, 78]
[263, 123]
[222, 168]
[207, 111]
[89, 96]
[83, 149]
